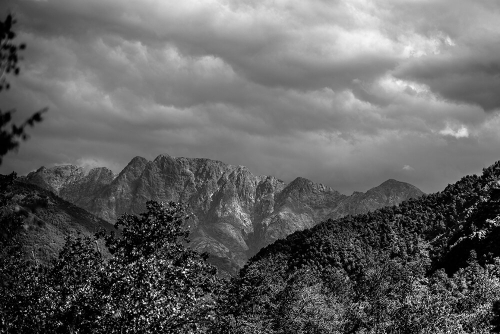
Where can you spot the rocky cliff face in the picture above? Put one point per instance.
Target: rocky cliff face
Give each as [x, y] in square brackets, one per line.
[82, 190]
[55, 178]
[235, 213]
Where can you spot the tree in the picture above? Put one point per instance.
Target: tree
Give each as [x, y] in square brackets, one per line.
[153, 282]
[73, 300]
[495, 322]
[9, 60]
[148, 282]
[20, 293]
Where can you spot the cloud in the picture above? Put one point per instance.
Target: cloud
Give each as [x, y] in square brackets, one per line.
[88, 163]
[408, 168]
[344, 93]
[464, 66]
[461, 132]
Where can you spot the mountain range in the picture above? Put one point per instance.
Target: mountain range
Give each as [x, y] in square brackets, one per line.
[234, 212]
[428, 265]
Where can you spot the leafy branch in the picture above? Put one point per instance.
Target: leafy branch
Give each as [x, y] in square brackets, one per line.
[9, 63]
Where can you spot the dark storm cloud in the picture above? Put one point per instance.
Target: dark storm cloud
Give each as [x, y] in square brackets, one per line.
[472, 78]
[464, 67]
[259, 43]
[348, 93]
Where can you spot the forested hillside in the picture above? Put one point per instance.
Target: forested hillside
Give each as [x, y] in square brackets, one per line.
[429, 265]
[39, 221]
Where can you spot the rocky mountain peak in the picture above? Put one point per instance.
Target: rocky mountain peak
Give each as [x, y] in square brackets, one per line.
[235, 212]
[138, 160]
[135, 166]
[303, 184]
[42, 169]
[56, 178]
[101, 172]
[391, 182]
[394, 184]
[395, 190]
[389, 193]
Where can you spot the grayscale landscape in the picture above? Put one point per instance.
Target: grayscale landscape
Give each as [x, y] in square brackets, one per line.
[242, 167]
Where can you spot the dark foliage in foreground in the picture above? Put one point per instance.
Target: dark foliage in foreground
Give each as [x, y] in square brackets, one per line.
[427, 266]
[151, 283]
[9, 64]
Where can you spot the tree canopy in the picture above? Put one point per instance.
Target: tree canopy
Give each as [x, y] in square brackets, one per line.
[150, 282]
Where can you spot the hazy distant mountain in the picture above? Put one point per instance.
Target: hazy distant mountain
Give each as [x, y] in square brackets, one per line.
[235, 212]
[389, 193]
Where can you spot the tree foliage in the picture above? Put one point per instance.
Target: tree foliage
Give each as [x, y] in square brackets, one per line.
[155, 283]
[430, 265]
[150, 283]
[9, 64]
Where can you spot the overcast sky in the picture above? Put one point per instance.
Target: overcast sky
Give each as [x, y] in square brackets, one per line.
[346, 93]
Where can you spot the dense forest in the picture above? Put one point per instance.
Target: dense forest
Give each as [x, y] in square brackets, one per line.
[429, 265]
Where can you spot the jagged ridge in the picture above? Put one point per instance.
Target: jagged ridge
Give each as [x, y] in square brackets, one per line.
[235, 213]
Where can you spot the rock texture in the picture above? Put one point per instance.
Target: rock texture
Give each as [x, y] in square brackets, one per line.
[235, 213]
[44, 220]
[55, 178]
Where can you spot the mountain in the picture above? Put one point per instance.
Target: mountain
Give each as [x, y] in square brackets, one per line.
[39, 220]
[235, 213]
[389, 193]
[429, 265]
[57, 177]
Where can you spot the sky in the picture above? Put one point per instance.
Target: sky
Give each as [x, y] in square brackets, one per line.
[345, 93]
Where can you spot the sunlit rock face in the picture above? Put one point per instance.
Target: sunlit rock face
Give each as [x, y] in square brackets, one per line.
[82, 190]
[234, 213]
[55, 178]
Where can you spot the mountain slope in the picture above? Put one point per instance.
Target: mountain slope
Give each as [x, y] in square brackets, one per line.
[389, 193]
[395, 270]
[440, 229]
[39, 220]
[56, 178]
[235, 213]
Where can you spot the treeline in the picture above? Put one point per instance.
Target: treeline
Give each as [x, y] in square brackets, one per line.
[147, 281]
[429, 265]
